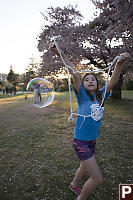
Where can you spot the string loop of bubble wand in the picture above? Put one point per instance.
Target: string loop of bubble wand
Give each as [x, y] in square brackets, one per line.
[56, 39]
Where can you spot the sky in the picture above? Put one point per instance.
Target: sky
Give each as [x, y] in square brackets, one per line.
[20, 25]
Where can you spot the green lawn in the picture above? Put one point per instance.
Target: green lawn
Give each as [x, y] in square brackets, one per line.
[37, 160]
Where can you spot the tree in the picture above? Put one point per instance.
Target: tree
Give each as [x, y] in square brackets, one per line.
[98, 41]
[12, 78]
[32, 71]
[67, 23]
[114, 27]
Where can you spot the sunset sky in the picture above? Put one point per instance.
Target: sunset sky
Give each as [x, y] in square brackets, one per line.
[21, 23]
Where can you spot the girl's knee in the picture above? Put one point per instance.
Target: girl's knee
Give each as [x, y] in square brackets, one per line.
[98, 179]
[84, 171]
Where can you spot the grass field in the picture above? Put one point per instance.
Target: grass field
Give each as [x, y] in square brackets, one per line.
[37, 160]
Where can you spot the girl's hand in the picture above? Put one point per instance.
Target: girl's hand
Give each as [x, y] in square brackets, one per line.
[53, 48]
[124, 56]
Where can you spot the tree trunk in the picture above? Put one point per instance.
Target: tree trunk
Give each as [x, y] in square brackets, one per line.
[116, 91]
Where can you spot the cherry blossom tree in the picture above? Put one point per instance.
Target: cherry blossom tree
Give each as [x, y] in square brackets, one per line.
[65, 22]
[114, 27]
[97, 41]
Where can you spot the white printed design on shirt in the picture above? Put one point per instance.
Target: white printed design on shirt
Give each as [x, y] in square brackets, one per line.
[96, 111]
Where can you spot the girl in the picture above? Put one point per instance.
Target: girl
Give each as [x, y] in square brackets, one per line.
[86, 131]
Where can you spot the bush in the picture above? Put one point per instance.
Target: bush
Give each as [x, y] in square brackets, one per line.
[128, 85]
[63, 88]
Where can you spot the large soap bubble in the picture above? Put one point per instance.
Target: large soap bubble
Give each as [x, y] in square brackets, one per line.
[40, 92]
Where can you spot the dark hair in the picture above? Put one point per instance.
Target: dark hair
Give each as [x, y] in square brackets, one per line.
[98, 94]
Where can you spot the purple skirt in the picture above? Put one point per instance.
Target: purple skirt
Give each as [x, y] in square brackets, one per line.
[84, 149]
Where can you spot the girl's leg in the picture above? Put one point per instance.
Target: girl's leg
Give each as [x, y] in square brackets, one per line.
[95, 178]
[81, 171]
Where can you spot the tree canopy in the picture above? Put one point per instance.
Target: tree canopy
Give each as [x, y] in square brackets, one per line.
[12, 77]
[67, 23]
[97, 41]
[114, 27]
[32, 71]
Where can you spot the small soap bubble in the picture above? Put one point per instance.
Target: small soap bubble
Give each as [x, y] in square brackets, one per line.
[41, 92]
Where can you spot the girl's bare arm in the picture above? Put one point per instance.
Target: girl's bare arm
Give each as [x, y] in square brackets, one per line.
[117, 71]
[76, 75]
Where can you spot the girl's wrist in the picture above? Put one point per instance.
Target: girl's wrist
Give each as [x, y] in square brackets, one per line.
[118, 64]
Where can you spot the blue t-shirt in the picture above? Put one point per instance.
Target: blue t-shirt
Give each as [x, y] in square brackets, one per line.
[87, 128]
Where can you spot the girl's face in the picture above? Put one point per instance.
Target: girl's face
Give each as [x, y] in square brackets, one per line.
[90, 83]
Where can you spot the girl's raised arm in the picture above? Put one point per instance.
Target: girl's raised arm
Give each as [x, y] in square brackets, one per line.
[76, 75]
[117, 71]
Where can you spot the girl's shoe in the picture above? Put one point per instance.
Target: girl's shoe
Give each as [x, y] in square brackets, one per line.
[76, 189]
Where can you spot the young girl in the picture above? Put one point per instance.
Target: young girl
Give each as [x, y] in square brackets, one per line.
[89, 98]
